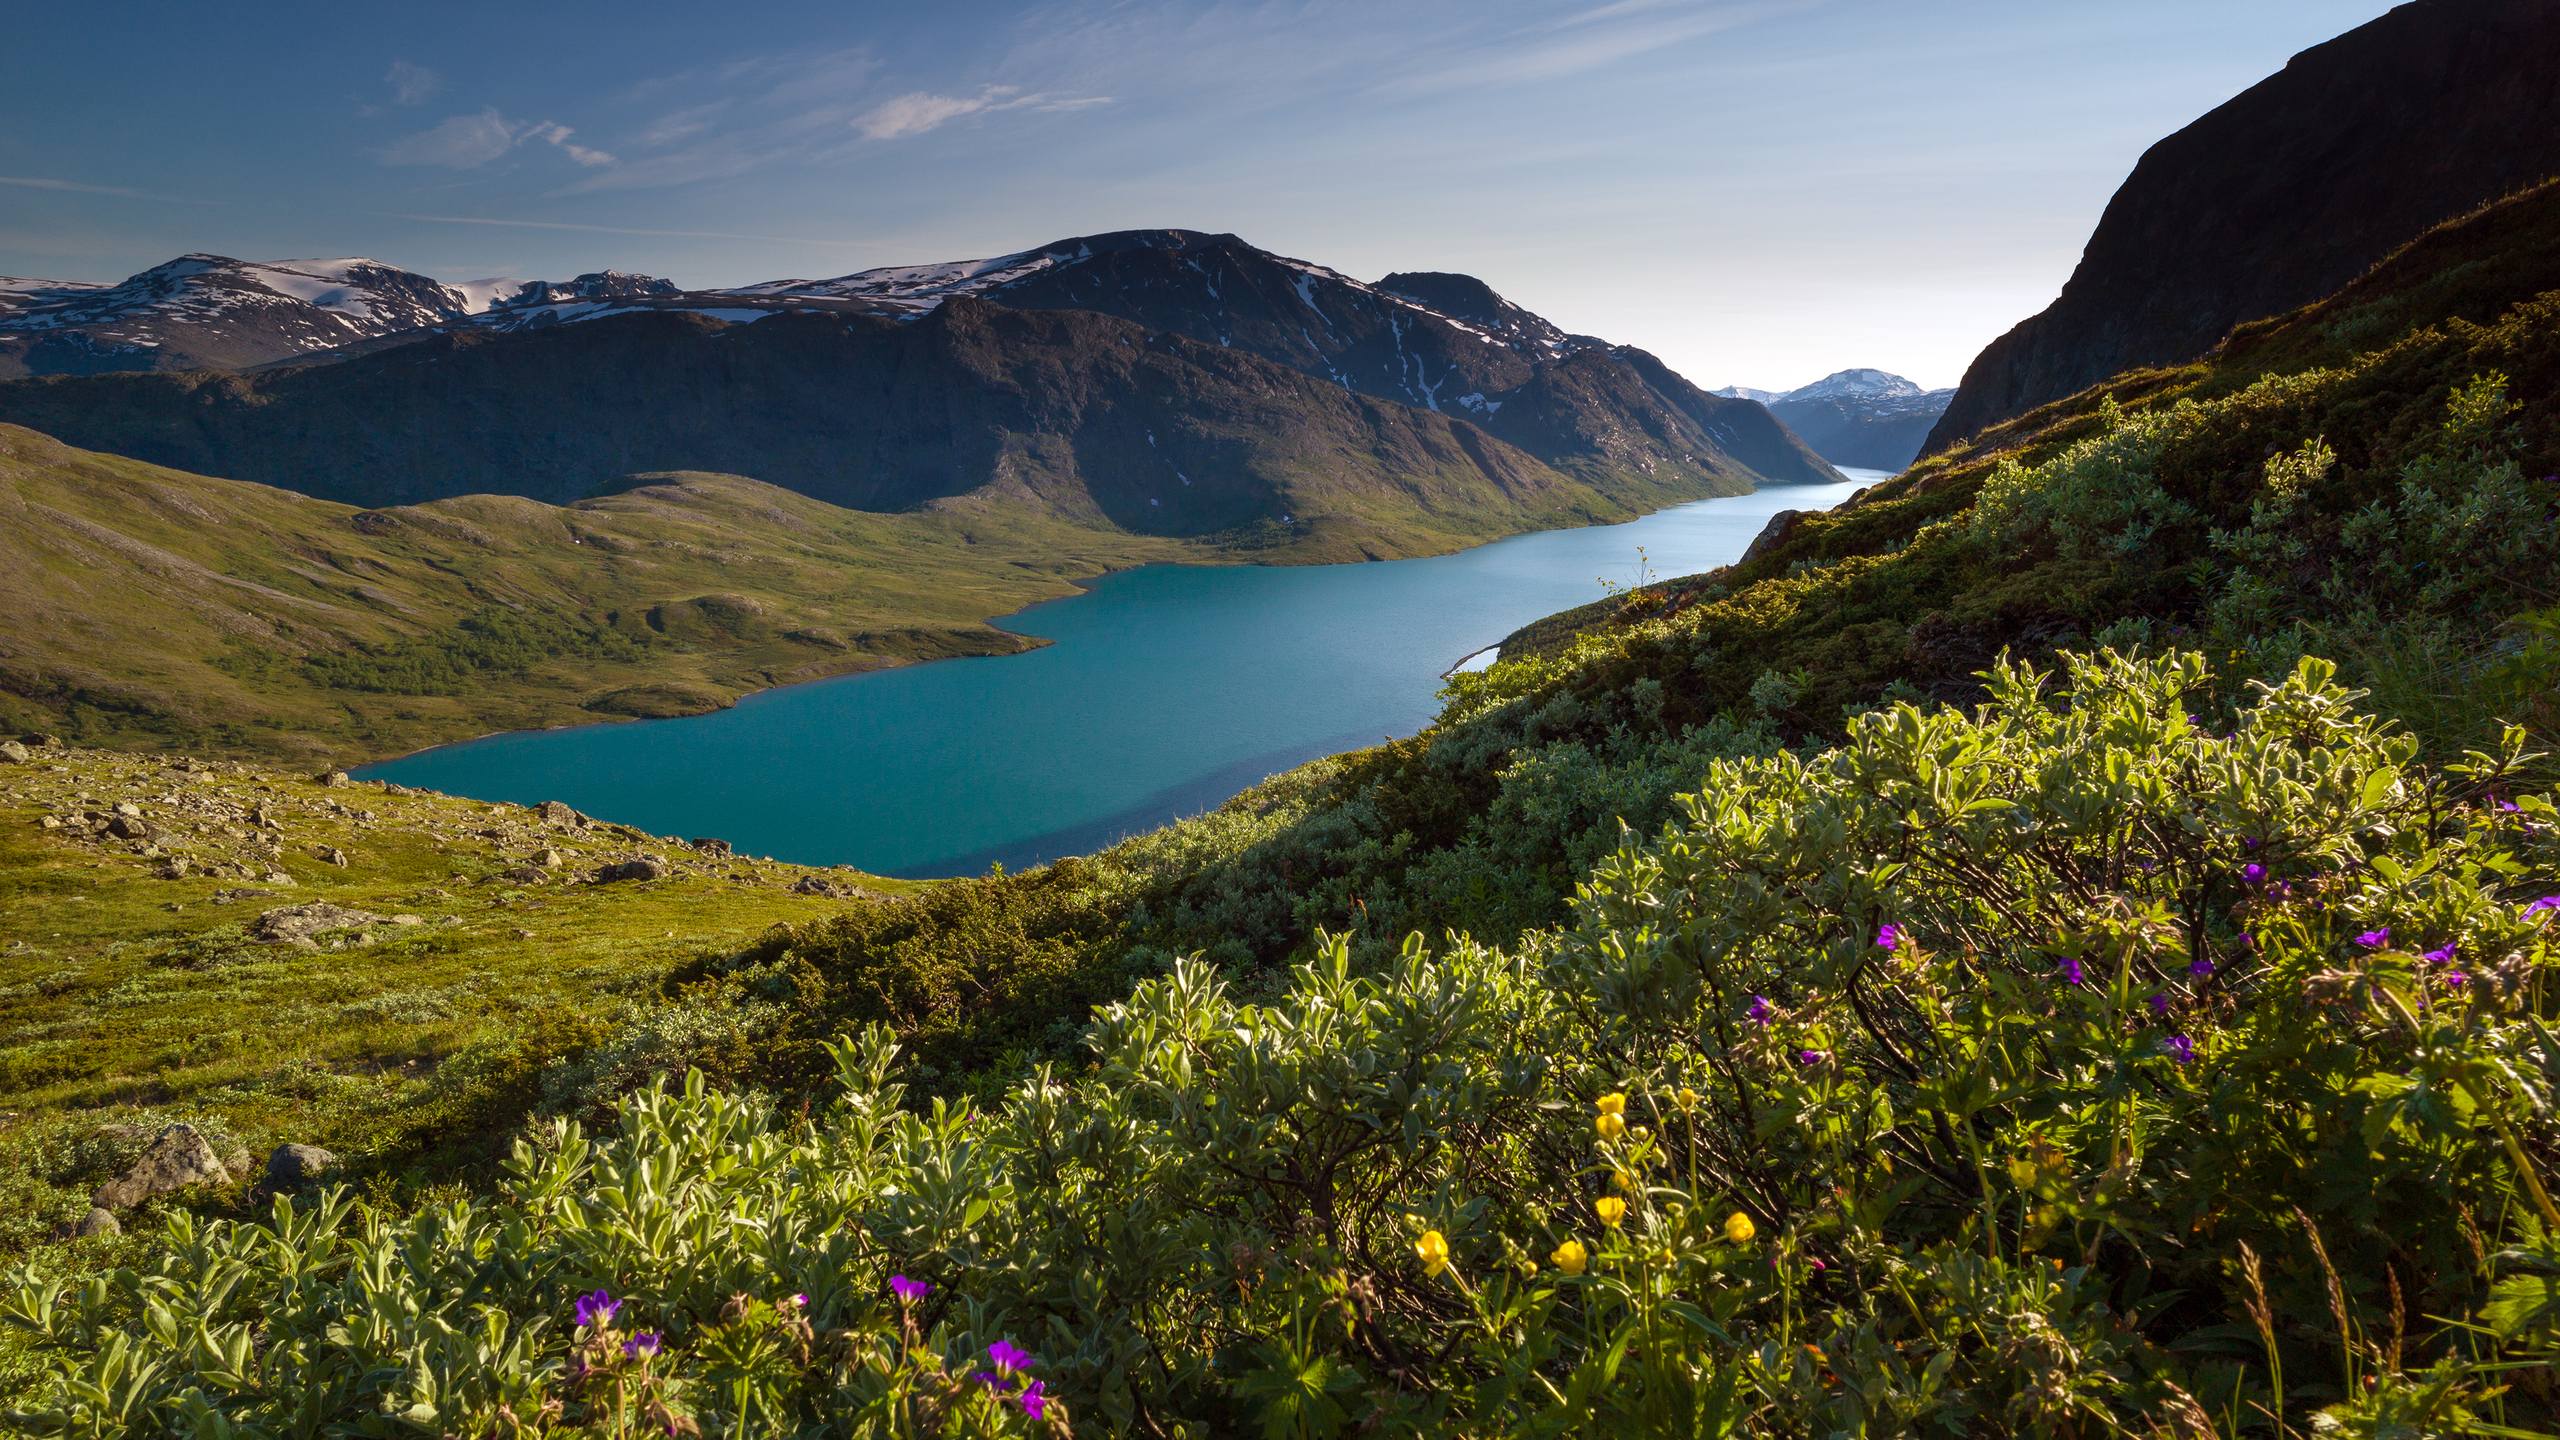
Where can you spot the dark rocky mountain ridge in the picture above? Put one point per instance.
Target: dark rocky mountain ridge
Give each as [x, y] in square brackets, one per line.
[1167, 382]
[2286, 192]
[1087, 416]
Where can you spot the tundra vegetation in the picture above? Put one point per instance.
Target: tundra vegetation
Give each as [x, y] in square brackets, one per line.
[2060, 946]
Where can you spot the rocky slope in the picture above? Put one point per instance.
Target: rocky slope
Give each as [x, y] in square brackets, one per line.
[1865, 419]
[2287, 192]
[293, 958]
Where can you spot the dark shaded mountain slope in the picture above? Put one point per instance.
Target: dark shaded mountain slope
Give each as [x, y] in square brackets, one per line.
[1092, 417]
[2287, 192]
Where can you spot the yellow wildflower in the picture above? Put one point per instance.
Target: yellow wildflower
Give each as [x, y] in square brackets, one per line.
[1609, 1126]
[1570, 1257]
[1611, 1208]
[1738, 1228]
[1688, 1098]
[1623, 1181]
[1614, 1104]
[1433, 1247]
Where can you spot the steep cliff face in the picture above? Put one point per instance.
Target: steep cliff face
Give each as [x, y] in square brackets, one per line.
[2287, 192]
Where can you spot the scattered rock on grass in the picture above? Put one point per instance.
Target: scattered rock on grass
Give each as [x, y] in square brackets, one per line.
[303, 924]
[179, 1157]
[641, 869]
[293, 1165]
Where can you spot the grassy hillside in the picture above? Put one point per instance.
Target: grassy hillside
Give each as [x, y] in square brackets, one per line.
[151, 966]
[2062, 1068]
[214, 615]
[1974, 968]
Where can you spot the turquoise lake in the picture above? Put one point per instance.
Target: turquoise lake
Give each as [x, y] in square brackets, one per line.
[1165, 691]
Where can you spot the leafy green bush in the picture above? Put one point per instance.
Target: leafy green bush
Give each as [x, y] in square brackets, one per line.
[2064, 1067]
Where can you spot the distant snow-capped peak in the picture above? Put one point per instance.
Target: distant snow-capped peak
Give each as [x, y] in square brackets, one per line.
[1838, 385]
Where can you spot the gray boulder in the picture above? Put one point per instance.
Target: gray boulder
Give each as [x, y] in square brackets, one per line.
[303, 924]
[293, 1165]
[13, 753]
[178, 1157]
[99, 1221]
[642, 869]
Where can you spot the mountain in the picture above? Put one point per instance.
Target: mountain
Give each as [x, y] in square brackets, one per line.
[1810, 902]
[1866, 419]
[213, 312]
[2287, 192]
[1161, 382]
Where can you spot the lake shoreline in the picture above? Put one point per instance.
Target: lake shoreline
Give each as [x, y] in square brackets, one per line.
[1078, 585]
[1163, 682]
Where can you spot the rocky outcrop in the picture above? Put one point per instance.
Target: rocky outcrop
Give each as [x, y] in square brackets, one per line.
[303, 925]
[645, 868]
[179, 1157]
[2288, 192]
[292, 1165]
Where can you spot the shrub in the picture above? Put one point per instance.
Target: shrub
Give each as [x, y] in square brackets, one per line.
[2066, 1066]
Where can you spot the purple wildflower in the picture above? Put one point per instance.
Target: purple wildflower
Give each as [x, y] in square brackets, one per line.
[2453, 979]
[2253, 872]
[800, 1301]
[642, 1345]
[2159, 1002]
[1810, 1057]
[2180, 1049]
[1759, 1011]
[2441, 955]
[990, 1379]
[908, 1291]
[1888, 937]
[2071, 970]
[2200, 967]
[1033, 1398]
[1009, 1356]
[595, 1311]
[2547, 902]
[2376, 938]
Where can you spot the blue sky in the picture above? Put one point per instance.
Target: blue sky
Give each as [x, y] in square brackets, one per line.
[1760, 191]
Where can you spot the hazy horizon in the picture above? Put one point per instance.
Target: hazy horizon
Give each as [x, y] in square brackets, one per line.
[1760, 193]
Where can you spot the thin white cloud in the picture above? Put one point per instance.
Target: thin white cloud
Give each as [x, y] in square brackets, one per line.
[506, 224]
[919, 111]
[82, 187]
[1591, 40]
[75, 187]
[557, 136]
[411, 84]
[459, 142]
[680, 125]
[467, 142]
